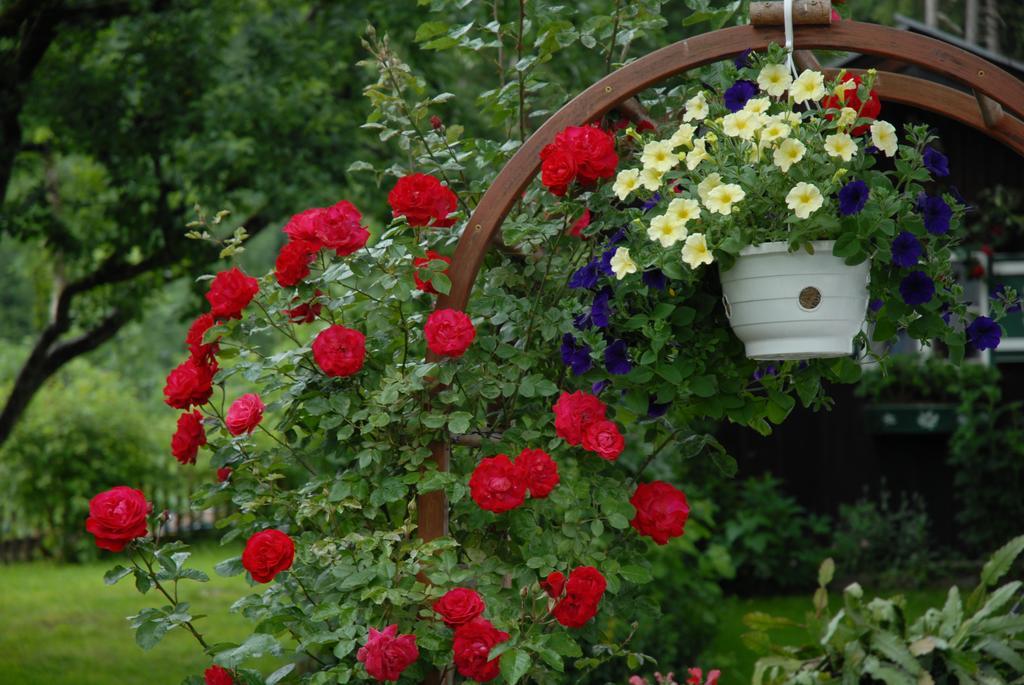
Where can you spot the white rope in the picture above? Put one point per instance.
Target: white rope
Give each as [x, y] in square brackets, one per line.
[787, 14]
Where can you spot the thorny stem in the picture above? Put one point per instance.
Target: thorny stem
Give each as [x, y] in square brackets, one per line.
[289, 448]
[271, 321]
[611, 44]
[156, 583]
[647, 462]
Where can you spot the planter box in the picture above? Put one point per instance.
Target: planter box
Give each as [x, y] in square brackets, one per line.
[795, 305]
[911, 418]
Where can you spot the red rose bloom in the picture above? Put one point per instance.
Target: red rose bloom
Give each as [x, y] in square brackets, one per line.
[188, 438]
[594, 152]
[117, 516]
[576, 230]
[449, 332]
[423, 201]
[230, 292]
[573, 413]
[340, 228]
[293, 262]
[497, 484]
[215, 675]
[244, 414]
[307, 311]
[201, 352]
[583, 593]
[304, 227]
[604, 438]
[554, 584]
[871, 109]
[473, 642]
[557, 168]
[223, 473]
[267, 553]
[386, 653]
[539, 470]
[426, 286]
[190, 382]
[661, 511]
[339, 351]
[459, 606]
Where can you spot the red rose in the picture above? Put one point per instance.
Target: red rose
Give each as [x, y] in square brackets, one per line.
[557, 168]
[190, 382]
[583, 593]
[449, 332]
[117, 516]
[223, 473]
[307, 311]
[871, 109]
[459, 606]
[267, 553]
[554, 584]
[215, 675]
[573, 413]
[593, 149]
[339, 351]
[426, 286]
[576, 230]
[304, 227]
[473, 642]
[201, 352]
[188, 438]
[293, 262]
[386, 653]
[339, 228]
[497, 484]
[244, 414]
[604, 438]
[230, 292]
[661, 511]
[435, 122]
[539, 470]
[423, 201]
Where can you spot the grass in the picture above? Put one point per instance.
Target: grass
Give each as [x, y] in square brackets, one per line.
[61, 625]
[728, 652]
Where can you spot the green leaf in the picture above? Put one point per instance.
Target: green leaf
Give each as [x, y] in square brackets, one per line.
[514, 665]
[459, 422]
[229, 567]
[256, 646]
[564, 644]
[1001, 561]
[280, 673]
[149, 633]
[826, 572]
[635, 573]
[704, 386]
[115, 574]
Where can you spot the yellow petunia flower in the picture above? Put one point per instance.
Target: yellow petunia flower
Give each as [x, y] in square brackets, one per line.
[847, 115]
[650, 178]
[757, 105]
[622, 263]
[804, 199]
[684, 209]
[721, 198]
[742, 125]
[774, 129]
[666, 230]
[774, 79]
[710, 182]
[808, 86]
[788, 153]
[697, 155]
[682, 136]
[626, 182]
[696, 252]
[883, 136]
[840, 145]
[658, 155]
[696, 108]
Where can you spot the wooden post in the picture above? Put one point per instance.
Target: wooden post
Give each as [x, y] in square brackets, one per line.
[805, 13]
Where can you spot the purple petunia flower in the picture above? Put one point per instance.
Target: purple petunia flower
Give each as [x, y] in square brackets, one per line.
[655, 410]
[585, 277]
[738, 94]
[935, 162]
[852, 197]
[655, 278]
[876, 305]
[651, 203]
[598, 387]
[906, 249]
[743, 59]
[984, 333]
[617, 237]
[605, 264]
[601, 310]
[616, 358]
[575, 355]
[935, 212]
[764, 371]
[999, 293]
[917, 288]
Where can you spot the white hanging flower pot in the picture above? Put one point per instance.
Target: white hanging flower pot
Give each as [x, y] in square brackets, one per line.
[795, 305]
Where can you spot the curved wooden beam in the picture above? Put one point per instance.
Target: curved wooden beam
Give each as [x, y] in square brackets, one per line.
[934, 55]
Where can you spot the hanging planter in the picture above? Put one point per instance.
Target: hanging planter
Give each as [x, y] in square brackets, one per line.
[795, 305]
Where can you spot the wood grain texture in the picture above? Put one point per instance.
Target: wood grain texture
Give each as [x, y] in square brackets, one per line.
[805, 12]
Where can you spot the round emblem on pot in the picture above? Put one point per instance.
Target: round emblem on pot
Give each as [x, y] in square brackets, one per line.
[810, 297]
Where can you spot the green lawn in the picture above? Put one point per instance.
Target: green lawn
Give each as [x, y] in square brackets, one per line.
[61, 625]
[729, 653]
